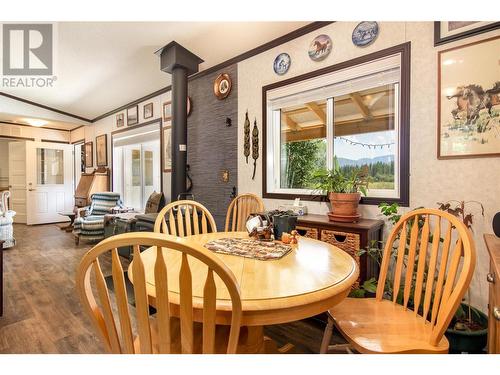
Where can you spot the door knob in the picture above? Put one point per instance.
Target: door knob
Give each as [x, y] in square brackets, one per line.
[490, 278]
[496, 313]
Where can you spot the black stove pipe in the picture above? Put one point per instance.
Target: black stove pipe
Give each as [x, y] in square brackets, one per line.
[179, 131]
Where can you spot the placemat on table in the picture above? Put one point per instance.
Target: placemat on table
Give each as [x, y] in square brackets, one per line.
[248, 248]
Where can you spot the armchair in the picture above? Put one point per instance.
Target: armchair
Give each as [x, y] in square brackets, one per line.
[89, 221]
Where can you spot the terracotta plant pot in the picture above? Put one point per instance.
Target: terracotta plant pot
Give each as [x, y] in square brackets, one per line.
[344, 207]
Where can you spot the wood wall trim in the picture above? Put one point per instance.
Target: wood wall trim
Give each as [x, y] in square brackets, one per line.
[404, 132]
[34, 127]
[51, 141]
[140, 125]
[43, 106]
[20, 138]
[78, 141]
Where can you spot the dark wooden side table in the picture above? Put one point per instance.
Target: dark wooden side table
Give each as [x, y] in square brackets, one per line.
[350, 237]
[71, 215]
[1, 277]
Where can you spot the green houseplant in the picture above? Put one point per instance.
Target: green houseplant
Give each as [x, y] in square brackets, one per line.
[343, 189]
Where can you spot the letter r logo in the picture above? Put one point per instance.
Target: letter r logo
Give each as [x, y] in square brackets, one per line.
[27, 49]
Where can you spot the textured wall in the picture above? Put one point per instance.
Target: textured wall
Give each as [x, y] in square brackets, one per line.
[431, 180]
[212, 146]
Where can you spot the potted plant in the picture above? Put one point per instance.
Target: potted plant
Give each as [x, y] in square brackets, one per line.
[343, 189]
[468, 330]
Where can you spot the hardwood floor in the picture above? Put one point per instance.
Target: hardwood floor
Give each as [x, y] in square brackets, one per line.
[42, 313]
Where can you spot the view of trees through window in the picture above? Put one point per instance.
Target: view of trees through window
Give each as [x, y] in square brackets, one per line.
[364, 135]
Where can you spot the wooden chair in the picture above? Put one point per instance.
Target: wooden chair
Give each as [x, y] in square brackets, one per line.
[239, 209]
[186, 221]
[161, 333]
[435, 272]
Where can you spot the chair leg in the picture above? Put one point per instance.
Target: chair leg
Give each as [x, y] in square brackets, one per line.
[327, 336]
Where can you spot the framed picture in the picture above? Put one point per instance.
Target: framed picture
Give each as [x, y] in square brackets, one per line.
[101, 150]
[449, 31]
[132, 115]
[469, 100]
[120, 120]
[89, 154]
[167, 111]
[167, 148]
[148, 110]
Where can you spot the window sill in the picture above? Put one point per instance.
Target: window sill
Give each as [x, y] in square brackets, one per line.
[322, 198]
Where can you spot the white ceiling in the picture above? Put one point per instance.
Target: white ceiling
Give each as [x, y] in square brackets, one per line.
[103, 65]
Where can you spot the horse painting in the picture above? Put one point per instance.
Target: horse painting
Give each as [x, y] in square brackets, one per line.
[320, 47]
[471, 99]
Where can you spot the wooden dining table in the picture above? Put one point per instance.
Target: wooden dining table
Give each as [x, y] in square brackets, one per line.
[313, 277]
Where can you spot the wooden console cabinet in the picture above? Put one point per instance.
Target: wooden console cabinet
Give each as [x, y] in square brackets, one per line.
[350, 237]
[493, 278]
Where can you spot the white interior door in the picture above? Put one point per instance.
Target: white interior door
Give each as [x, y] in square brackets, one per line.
[17, 180]
[49, 178]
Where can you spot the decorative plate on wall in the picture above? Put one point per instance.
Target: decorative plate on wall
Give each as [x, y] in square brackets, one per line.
[282, 63]
[365, 33]
[320, 47]
[222, 86]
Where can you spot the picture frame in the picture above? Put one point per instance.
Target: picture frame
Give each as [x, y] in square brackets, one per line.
[450, 31]
[469, 101]
[147, 110]
[167, 111]
[167, 148]
[132, 115]
[120, 120]
[101, 150]
[89, 154]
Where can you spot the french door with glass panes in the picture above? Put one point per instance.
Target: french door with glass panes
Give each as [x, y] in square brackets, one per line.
[141, 172]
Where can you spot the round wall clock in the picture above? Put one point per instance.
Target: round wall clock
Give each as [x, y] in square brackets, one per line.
[365, 33]
[282, 63]
[320, 47]
[222, 86]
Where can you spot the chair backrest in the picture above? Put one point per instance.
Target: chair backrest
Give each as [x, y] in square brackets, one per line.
[430, 255]
[4, 202]
[184, 219]
[104, 315]
[102, 203]
[239, 209]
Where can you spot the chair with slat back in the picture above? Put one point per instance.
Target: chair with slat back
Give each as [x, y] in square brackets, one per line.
[239, 210]
[428, 262]
[162, 332]
[184, 219]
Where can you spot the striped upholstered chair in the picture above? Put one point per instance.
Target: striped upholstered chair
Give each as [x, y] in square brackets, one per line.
[89, 221]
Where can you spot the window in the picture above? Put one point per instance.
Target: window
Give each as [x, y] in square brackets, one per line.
[356, 113]
[49, 166]
[136, 165]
